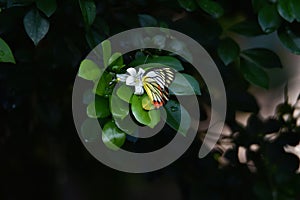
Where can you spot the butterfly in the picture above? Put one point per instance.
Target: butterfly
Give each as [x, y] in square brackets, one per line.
[156, 83]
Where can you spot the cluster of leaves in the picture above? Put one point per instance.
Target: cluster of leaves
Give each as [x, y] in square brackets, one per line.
[111, 105]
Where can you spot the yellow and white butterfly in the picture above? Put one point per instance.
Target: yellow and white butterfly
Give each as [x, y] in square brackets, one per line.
[154, 81]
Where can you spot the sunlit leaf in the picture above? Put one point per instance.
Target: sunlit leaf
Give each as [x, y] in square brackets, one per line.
[89, 70]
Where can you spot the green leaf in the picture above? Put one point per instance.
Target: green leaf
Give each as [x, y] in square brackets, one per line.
[296, 9]
[138, 112]
[254, 74]
[119, 108]
[184, 84]
[147, 104]
[112, 136]
[116, 60]
[89, 131]
[247, 28]
[289, 39]
[36, 26]
[88, 10]
[103, 88]
[228, 50]
[176, 112]
[5, 53]
[154, 116]
[211, 7]
[106, 50]
[269, 19]
[147, 20]
[89, 70]
[285, 9]
[48, 7]
[263, 57]
[127, 125]
[99, 108]
[163, 60]
[125, 93]
[188, 5]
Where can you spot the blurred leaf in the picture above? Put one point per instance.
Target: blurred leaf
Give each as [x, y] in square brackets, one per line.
[127, 125]
[154, 116]
[88, 10]
[147, 20]
[176, 113]
[36, 26]
[163, 60]
[89, 131]
[48, 7]
[188, 5]
[119, 108]
[289, 39]
[5, 53]
[269, 19]
[103, 87]
[248, 28]
[184, 84]
[296, 9]
[125, 92]
[285, 9]
[263, 57]
[254, 74]
[139, 113]
[106, 50]
[228, 50]
[116, 60]
[99, 108]
[89, 70]
[112, 136]
[211, 7]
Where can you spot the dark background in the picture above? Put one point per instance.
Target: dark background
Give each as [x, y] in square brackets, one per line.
[41, 155]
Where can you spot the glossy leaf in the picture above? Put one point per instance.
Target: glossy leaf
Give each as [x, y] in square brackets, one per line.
[106, 50]
[125, 93]
[228, 50]
[89, 70]
[154, 116]
[263, 57]
[147, 20]
[48, 7]
[254, 74]
[88, 10]
[184, 84]
[99, 108]
[247, 28]
[112, 136]
[296, 9]
[176, 113]
[147, 104]
[289, 39]
[89, 131]
[138, 112]
[211, 7]
[188, 5]
[103, 86]
[119, 108]
[285, 9]
[36, 26]
[116, 59]
[269, 19]
[5, 53]
[163, 60]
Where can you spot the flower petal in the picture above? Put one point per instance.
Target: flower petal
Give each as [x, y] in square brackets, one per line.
[130, 81]
[141, 72]
[131, 71]
[122, 77]
[139, 90]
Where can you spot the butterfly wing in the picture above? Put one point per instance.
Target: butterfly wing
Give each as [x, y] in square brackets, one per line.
[156, 83]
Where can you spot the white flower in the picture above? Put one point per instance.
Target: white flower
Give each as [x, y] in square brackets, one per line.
[133, 79]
